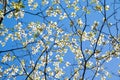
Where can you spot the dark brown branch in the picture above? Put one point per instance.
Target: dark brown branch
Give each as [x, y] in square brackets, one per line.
[36, 63]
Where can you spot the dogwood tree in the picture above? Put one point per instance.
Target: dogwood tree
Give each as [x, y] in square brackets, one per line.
[59, 39]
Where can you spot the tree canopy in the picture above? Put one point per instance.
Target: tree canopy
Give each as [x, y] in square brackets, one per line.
[59, 39]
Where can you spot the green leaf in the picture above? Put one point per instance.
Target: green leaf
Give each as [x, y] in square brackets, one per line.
[13, 57]
[36, 35]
